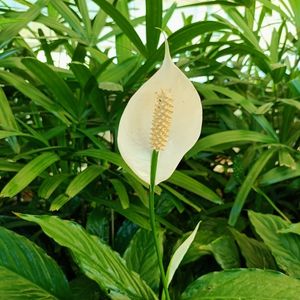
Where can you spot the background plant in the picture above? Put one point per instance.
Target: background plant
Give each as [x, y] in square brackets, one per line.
[58, 150]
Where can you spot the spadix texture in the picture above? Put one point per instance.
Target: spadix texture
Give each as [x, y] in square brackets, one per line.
[165, 115]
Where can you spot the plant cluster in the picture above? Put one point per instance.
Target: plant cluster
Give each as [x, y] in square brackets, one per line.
[74, 217]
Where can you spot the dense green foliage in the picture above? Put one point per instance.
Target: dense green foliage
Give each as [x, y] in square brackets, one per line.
[60, 167]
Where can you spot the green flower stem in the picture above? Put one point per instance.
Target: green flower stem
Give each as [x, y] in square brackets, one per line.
[154, 159]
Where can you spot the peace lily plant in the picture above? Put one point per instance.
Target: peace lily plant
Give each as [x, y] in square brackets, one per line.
[160, 123]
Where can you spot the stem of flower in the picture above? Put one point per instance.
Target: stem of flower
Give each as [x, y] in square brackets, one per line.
[154, 159]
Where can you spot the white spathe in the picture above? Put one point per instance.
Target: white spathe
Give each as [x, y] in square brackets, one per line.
[134, 135]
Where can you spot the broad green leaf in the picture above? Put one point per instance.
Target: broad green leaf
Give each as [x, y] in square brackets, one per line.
[190, 184]
[96, 260]
[124, 25]
[279, 174]
[213, 238]
[85, 288]
[244, 284]
[285, 247]
[229, 138]
[256, 254]
[54, 83]
[140, 256]
[12, 30]
[77, 185]
[25, 269]
[14, 286]
[28, 173]
[121, 192]
[153, 23]
[225, 252]
[247, 184]
[292, 228]
[98, 223]
[179, 255]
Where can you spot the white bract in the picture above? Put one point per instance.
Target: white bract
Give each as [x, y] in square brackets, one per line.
[165, 115]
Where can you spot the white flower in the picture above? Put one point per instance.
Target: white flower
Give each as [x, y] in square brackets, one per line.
[165, 115]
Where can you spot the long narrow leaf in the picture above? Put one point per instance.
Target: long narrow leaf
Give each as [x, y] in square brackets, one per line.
[12, 30]
[28, 173]
[153, 23]
[54, 84]
[229, 138]
[190, 184]
[123, 24]
[247, 186]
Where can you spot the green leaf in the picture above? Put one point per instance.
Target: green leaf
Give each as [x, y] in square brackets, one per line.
[225, 252]
[98, 24]
[181, 197]
[153, 23]
[9, 166]
[135, 214]
[7, 119]
[290, 102]
[96, 260]
[12, 30]
[141, 257]
[256, 254]
[176, 41]
[25, 269]
[279, 174]
[6, 134]
[50, 184]
[110, 156]
[118, 72]
[213, 238]
[121, 192]
[77, 185]
[28, 173]
[69, 16]
[123, 44]
[84, 10]
[292, 228]
[124, 25]
[244, 284]
[229, 138]
[36, 96]
[247, 184]
[190, 184]
[178, 255]
[54, 83]
[85, 288]
[285, 247]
